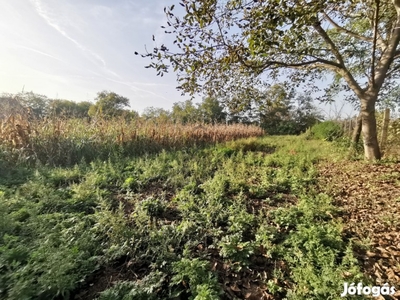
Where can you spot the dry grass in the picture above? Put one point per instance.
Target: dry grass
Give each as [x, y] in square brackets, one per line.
[68, 141]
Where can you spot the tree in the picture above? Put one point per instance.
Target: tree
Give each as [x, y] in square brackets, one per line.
[274, 110]
[185, 112]
[38, 104]
[69, 108]
[108, 104]
[211, 110]
[282, 112]
[131, 115]
[305, 113]
[11, 106]
[232, 45]
[156, 114]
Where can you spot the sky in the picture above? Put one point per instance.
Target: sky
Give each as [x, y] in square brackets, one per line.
[73, 49]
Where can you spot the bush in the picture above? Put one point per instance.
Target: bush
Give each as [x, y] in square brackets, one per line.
[328, 131]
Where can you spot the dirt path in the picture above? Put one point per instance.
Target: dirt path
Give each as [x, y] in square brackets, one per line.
[368, 196]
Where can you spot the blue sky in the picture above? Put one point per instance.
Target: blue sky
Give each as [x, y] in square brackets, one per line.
[73, 49]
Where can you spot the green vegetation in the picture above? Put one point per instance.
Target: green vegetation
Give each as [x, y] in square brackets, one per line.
[68, 109]
[241, 218]
[328, 131]
[278, 110]
[109, 105]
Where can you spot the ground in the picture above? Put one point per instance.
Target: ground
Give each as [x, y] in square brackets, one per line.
[368, 196]
[261, 218]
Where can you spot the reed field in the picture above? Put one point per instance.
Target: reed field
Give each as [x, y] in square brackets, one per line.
[57, 141]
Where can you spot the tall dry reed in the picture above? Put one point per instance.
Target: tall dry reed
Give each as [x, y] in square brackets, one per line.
[65, 142]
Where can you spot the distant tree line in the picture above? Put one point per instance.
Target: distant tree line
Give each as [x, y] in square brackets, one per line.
[278, 110]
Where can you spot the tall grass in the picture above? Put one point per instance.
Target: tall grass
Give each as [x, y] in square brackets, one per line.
[64, 142]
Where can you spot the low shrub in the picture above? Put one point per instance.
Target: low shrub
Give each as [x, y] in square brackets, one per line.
[328, 131]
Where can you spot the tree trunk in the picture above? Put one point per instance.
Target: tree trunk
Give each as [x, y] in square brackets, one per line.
[355, 137]
[356, 131]
[385, 127]
[371, 145]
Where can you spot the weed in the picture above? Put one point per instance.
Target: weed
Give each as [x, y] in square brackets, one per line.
[194, 219]
[328, 130]
[194, 276]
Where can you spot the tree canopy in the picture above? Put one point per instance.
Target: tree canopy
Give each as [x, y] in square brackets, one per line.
[234, 47]
[185, 112]
[108, 104]
[211, 110]
[37, 103]
[208, 111]
[69, 109]
[156, 113]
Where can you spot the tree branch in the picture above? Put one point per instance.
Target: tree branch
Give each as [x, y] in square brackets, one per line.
[272, 64]
[353, 84]
[396, 54]
[390, 54]
[346, 31]
[380, 41]
[396, 68]
[375, 22]
[327, 39]
[328, 64]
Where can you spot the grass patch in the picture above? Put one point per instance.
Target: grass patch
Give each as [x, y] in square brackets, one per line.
[239, 219]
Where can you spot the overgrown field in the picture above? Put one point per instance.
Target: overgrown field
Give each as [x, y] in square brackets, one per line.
[244, 219]
[65, 142]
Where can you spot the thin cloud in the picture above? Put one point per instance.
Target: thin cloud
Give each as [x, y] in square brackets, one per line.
[112, 73]
[151, 84]
[60, 60]
[135, 88]
[39, 52]
[44, 12]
